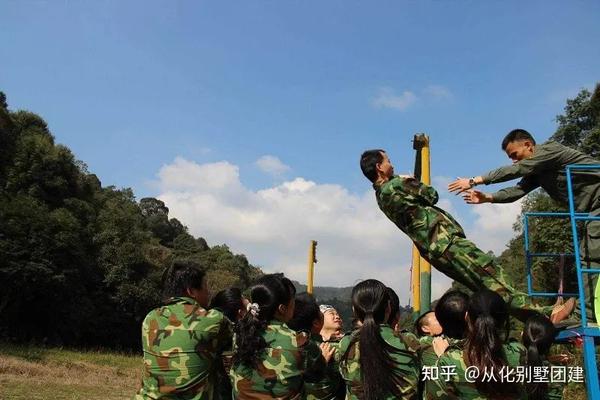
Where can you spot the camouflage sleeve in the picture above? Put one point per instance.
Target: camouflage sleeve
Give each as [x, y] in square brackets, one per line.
[420, 192]
[441, 388]
[314, 363]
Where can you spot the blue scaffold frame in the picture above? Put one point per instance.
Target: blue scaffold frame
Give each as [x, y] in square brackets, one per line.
[589, 334]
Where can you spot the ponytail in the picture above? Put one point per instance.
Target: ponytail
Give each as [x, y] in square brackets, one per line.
[538, 336]
[483, 349]
[370, 300]
[266, 295]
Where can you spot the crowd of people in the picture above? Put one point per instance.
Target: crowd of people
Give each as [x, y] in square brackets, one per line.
[279, 344]
[276, 343]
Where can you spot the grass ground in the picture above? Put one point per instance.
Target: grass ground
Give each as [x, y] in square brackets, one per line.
[36, 373]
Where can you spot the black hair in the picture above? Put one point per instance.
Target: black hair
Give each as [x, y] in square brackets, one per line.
[370, 300]
[229, 302]
[269, 292]
[306, 311]
[450, 312]
[395, 308]
[516, 135]
[181, 276]
[420, 322]
[368, 163]
[538, 336]
[487, 312]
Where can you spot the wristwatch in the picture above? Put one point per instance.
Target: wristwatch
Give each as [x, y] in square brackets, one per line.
[472, 181]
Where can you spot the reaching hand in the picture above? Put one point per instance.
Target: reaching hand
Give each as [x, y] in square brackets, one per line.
[327, 351]
[476, 197]
[459, 185]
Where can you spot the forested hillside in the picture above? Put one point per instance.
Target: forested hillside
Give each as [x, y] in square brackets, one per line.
[81, 263]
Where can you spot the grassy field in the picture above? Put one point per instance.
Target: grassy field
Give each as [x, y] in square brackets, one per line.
[36, 373]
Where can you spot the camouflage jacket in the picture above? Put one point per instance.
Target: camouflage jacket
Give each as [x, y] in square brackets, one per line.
[404, 375]
[279, 371]
[427, 354]
[330, 386]
[182, 343]
[410, 205]
[456, 385]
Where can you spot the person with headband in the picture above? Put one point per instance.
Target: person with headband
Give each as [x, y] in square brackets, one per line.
[332, 323]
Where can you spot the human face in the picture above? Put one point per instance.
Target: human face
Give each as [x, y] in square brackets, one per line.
[332, 320]
[432, 327]
[242, 311]
[519, 150]
[385, 167]
[285, 312]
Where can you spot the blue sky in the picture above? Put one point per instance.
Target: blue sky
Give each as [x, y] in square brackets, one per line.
[132, 87]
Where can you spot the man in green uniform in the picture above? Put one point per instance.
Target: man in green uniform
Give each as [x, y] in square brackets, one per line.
[544, 166]
[182, 341]
[439, 238]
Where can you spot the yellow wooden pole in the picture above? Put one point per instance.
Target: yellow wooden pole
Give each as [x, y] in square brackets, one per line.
[425, 266]
[416, 281]
[312, 259]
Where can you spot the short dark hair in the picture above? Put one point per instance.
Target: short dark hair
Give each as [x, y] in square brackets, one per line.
[420, 322]
[181, 276]
[517, 135]
[229, 302]
[450, 312]
[368, 163]
[306, 311]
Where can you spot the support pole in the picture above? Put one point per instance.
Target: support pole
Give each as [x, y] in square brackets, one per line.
[312, 259]
[423, 268]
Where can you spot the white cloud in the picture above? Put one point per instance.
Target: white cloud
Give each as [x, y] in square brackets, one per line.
[493, 225]
[386, 98]
[272, 165]
[273, 227]
[438, 92]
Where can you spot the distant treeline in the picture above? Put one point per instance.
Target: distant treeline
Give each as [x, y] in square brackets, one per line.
[81, 264]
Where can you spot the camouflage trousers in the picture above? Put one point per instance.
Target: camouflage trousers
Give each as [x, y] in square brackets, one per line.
[464, 262]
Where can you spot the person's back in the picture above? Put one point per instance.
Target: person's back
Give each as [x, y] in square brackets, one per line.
[280, 366]
[481, 366]
[404, 374]
[182, 342]
[270, 359]
[374, 362]
[457, 385]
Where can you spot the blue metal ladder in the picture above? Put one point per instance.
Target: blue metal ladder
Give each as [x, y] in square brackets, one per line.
[589, 334]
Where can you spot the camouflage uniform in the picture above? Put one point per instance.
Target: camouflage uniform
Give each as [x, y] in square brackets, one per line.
[456, 386]
[280, 368]
[427, 355]
[441, 240]
[405, 374]
[331, 386]
[182, 343]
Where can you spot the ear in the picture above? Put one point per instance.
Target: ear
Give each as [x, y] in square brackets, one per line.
[282, 308]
